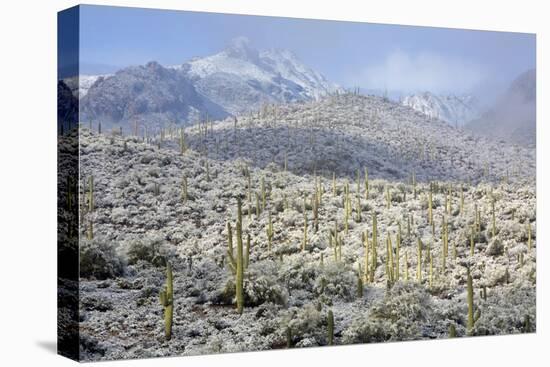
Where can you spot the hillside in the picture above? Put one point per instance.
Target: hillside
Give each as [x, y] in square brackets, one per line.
[318, 245]
[345, 133]
[455, 110]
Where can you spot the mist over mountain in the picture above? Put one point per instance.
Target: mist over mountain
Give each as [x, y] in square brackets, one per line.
[513, 117]
[456, 110]
[236, 80]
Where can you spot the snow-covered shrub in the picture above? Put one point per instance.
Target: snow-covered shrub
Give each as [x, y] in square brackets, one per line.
[307, 325]
[400, 315]
[507, 311]
[152, 250]
[495, 247]
[99, 260]
[261, 285]
[336, 281]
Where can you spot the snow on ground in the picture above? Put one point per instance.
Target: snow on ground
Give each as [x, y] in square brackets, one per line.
[139, 218]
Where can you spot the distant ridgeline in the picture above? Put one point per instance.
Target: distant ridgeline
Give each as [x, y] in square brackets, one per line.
[234, 81]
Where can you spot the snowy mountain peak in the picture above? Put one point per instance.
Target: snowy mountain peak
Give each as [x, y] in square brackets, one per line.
[241, 78]
[241, 48]
[456, 110]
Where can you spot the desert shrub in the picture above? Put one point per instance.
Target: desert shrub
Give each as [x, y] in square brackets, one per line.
[306, 323]
[507, 312]
[99, 260]
[336, 281]
[150, 250]
[261, 285]
[400, 315]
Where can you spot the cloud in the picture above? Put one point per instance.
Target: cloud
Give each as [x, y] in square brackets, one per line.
[423, 71]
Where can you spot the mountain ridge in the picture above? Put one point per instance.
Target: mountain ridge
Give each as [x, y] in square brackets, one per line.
[234, 81]
[457, 110]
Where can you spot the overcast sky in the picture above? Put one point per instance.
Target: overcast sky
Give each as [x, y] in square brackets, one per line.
[401, 59]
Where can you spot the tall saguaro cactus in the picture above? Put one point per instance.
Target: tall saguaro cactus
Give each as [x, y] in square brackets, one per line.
[419, 261]
[91, 193]
[330, 327]
[269, 233]
[240, 263]
[472, 318]
[167, 301]
[430, 206]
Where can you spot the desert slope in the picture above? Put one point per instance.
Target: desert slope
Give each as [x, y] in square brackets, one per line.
[153, 202]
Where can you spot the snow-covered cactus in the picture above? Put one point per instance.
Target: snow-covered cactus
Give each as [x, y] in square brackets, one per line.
[183, 147]
[472, 317]
[288, 334]
[247, 252]
[406, 267]
[365, 238]
[239, 260]
[472, 242]
[90, 234]
[269, 233]
[358, 210]
[330, 327]
[529, 240]
[360, 285]
[366, 183]
[374, 245]
[304, 239]
[419, 260]
[166, 297]
[184, 189]
[452, 331]
[91, 193]
[262, 184]
[316, 212]
[430, 206]
[397, 254]
[414, 184]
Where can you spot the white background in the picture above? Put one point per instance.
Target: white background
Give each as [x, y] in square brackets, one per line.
[28, 181]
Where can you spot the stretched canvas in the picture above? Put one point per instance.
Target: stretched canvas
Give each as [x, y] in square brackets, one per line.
[232, 183]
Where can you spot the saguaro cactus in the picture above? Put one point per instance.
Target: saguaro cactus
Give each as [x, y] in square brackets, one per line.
[366, 183]
[184, 189]
[430, 206]
[91, 193]
[529, 240]
[374, 246]
[472, 318]
[269, 233]
[240, 263]
[330, 327]
[359, 281]
[452, 331]
[304, 241]
[419, 261]
[183, 147]
[167, 301]
[406, 267]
